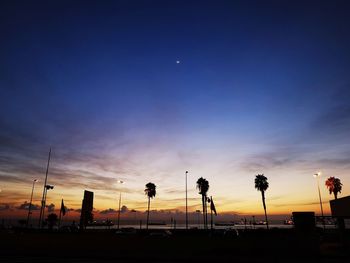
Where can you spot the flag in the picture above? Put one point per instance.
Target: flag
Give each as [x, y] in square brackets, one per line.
[212, 206]
[63, 209]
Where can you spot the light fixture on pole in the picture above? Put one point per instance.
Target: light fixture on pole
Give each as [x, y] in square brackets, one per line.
[317, 176]
[120, 200]
[30, 203]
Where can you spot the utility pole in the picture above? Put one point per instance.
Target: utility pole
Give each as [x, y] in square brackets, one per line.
[43, 199]
[317, 175]
[120, 198]
[186, 203]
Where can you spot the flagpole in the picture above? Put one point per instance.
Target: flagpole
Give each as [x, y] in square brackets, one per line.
[60, 217]
[43, 203]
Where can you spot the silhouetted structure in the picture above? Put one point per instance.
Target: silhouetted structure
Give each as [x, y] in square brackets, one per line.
[341, 210]
[86, 210]
[304, 221]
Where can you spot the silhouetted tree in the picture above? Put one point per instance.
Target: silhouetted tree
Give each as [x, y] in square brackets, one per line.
[203, 187]
[261, 185]
[52, 220]
[334, 186]
[150, 191]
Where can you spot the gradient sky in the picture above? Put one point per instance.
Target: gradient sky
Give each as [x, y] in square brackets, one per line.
[261, 87]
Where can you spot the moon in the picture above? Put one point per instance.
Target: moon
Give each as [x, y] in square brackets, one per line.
[177, 61]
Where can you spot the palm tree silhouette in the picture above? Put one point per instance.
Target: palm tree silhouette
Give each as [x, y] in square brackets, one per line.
[203, 187]
[150, 191]
[261, 185]
[334, 186]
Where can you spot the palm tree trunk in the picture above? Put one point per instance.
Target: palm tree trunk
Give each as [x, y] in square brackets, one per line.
[206, 213]
[149, 201]
[203, 211]
[263, 200]
[335, 195]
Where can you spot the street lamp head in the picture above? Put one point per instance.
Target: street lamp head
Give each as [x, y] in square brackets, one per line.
[317, 174]
[120, 182]
[36, 180]
[187, 172]
[48, 187]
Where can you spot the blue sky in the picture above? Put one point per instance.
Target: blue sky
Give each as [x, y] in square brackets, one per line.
[262, 86]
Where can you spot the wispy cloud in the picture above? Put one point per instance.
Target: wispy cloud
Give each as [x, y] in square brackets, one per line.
[334, 120]
[276, 158]
[305, 203]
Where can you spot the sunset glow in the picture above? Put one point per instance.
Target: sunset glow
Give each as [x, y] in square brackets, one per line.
[249, 92]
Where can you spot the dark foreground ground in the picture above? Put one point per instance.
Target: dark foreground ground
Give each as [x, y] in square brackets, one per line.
[192, 246]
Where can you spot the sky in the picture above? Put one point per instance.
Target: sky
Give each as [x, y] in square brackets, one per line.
[142, 91]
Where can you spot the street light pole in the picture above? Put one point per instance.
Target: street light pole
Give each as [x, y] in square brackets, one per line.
[317, 175]
[30, 203]
[120, 200]
[186, 203]
[43, 204]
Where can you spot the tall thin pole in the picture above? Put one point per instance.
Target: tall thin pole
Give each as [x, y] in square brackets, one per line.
[203, 204]
[319, 195]
[43, 201]
[206, 212]
[120, 198]
[43, 214]
[186, 203]
[211, 214]
[30, 203]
